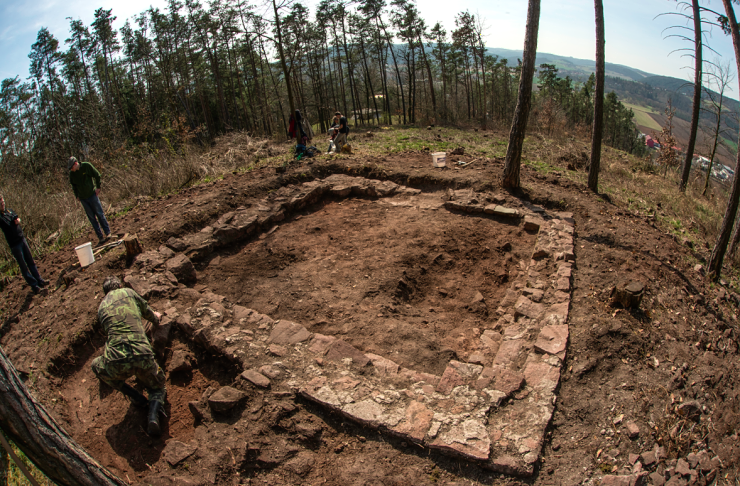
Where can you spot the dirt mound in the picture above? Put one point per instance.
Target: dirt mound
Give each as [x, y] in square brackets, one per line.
[415, 277]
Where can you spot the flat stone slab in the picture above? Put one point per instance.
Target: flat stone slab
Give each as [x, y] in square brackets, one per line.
[286, 332]
[526, 307]
[175, 451]
[532, 223]
[225, 399]
[498, 210]
[340, 350]
[552, 339]
[416, 422]
[256, 378]
[383, 366]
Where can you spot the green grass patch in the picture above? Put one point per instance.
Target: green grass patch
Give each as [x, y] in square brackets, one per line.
[643, 108]
[540, 166]
[15, 476]
[642, 116]
[729, 144]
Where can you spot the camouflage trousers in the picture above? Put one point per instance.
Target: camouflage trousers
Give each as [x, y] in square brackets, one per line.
[145, 368]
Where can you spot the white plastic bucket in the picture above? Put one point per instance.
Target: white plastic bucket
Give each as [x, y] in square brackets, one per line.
[85, 254]
[439, 159]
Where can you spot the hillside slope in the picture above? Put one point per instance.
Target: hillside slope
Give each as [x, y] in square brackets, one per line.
[571, 66]
[649, 93]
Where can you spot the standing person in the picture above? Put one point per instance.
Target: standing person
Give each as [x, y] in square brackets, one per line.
[11, 226]
[341, 139]
[128, 351]
[333, 131]
[85, 180]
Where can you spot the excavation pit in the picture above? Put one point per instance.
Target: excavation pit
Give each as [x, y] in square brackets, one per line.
[488, 399]
[436, 317]
[401, 277]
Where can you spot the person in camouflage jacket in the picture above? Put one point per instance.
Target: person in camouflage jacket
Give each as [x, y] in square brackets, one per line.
[127, 349]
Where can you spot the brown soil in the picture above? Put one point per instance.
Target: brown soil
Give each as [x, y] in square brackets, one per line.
[400, 281]
[394, 281]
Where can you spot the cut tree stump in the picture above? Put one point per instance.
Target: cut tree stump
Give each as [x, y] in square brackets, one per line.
[133, 247]
[629, 294]
[27, 423]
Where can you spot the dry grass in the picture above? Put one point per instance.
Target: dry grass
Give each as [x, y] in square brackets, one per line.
[636, 184]
[51, 216]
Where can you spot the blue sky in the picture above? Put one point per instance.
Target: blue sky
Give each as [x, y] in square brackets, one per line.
[634, 36]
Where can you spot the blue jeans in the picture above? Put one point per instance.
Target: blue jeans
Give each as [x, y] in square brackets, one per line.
[94, 211]
[22, 254]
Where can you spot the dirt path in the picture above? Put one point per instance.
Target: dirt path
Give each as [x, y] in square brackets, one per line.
[408, 279]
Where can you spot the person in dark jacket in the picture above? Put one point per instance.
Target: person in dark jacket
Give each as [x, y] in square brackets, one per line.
[85, 180]
[11, 226]
[341, 138]
[128, 351]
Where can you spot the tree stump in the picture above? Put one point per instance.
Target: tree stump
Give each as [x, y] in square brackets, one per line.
[133, 247]
[628, 294]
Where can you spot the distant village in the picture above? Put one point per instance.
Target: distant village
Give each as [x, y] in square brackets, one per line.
[720, 172]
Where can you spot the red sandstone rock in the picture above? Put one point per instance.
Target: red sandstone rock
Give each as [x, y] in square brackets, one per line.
[552, 339]
[416, 423]
[525, 307]
[256, 378]
[320, 343]
[339, 350]
[286, 332]
[508, 353]
[383, 366]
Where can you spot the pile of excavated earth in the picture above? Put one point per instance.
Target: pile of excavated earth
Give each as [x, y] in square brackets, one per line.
[382, 321]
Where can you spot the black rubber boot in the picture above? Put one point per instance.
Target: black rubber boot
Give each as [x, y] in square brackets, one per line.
[136, 398]
[153, 428]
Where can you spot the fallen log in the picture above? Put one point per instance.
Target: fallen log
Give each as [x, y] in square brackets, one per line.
[27, 423]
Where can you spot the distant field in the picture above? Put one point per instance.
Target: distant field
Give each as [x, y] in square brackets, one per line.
[732, 145]
[642, 116]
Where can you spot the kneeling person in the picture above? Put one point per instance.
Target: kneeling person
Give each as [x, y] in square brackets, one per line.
[128, 351]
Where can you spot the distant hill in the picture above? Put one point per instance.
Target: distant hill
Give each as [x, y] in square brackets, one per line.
[571, 66]
[645, 93]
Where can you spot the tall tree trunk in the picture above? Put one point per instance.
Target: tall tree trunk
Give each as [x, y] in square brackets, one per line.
[37, 434]
[715, 142]
[598, 123]
[398, 74]
[512, 165]
[369, 81]
[697, 96]
[714, 268]
[483, 70]
[431, 80]
[282, 59]
[735, 238]
[275, 88]
[352, 89]
[382, 63]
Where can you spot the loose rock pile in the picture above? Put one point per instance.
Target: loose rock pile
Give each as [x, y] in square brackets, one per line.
[651, 467]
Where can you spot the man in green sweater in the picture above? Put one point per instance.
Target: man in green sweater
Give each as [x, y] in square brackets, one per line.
[85, 180]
